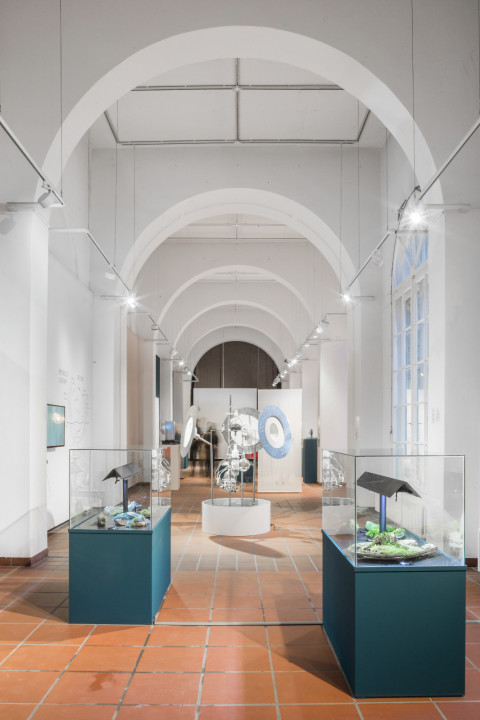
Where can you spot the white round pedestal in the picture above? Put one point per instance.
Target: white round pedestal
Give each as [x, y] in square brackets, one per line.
[223, 518]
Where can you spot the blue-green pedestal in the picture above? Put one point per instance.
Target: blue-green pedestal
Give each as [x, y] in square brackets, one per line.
[309, 460]
[119, 577]
[397, 631]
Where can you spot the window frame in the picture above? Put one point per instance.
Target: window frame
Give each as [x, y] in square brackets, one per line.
[410, 403]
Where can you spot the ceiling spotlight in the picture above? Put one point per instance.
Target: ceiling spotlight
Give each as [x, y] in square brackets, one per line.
[324, 321]
[416, 216]
[47, 198]
[181, 363]
[319, 329]
[109, 274]
[377, 259]
[283, 373]
[131, 302]
[346, 297]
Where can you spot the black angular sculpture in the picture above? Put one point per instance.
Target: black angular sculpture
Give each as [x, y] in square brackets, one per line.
[385, 487]
[124, 472]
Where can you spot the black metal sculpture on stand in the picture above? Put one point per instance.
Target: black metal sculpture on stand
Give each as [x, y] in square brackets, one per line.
[124, 473]
[385, 487]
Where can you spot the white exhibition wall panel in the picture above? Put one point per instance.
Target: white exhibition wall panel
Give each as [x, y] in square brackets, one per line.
[69, 378]
[283, 475]
[213, 403]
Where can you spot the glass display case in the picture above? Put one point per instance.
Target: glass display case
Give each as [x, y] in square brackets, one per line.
[120, 521]
[393, 570]
[395, 510]
[118, 490]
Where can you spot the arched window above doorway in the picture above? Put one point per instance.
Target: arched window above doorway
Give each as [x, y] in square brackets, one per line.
[410, 343]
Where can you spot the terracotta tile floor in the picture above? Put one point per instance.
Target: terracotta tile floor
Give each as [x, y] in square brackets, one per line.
[278, 667]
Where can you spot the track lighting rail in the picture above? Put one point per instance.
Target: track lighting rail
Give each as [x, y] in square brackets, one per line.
[4, 125]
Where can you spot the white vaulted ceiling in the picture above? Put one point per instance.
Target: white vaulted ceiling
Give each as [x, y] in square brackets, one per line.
[237, 102]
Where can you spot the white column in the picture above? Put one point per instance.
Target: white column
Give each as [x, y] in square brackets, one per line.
[462, 388]
[166, 390]
[23, 354]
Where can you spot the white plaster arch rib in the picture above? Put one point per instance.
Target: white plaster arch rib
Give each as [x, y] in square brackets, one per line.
[250, 201]
[228, 334]
[176, 266]
[273, 296]
[244, 316]
[269, 43]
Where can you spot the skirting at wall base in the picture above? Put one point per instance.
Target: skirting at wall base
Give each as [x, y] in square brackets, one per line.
[13, 561]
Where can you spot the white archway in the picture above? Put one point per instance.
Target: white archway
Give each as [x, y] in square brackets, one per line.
[268, 322]
[183, 290]
[250, 201]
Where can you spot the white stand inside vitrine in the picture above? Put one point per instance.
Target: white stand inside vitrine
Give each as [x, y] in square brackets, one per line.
[230, 517]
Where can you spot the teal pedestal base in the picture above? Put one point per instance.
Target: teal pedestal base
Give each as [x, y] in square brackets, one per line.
[396, 631]
[119, 577]
[309, 460]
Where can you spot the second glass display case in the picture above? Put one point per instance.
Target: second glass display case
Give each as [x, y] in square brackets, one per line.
[397, 510]
[393, 570]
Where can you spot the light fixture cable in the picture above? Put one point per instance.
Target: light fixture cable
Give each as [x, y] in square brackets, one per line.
[341, 216]
[413, 103]
[358, 184]
[61, 96]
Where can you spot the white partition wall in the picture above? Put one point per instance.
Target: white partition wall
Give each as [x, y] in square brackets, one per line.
[283, 475]
[213, 403]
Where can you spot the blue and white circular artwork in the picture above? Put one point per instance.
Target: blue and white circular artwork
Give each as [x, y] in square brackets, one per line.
[274, 432]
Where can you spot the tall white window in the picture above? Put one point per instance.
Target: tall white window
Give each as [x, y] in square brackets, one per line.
[410, 343]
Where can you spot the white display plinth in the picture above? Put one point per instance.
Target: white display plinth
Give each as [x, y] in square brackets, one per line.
[223, 518]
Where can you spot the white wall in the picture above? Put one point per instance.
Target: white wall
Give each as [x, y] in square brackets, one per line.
[69, 378]
[133, 383]
[310, 397]
[333, 397]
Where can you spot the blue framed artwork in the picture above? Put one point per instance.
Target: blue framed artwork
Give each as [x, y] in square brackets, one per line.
[55, 426]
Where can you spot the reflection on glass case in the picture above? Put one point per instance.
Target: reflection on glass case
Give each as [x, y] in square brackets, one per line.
[118, 490]
[395, 510]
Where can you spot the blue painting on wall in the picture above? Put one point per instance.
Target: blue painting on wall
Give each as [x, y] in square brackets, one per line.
[55, 426]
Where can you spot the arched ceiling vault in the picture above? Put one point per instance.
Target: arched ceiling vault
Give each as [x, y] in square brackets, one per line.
[235, 316]
[268, 296]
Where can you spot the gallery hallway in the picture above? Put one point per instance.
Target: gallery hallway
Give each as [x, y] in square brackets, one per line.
[237, 638]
